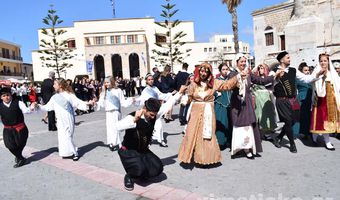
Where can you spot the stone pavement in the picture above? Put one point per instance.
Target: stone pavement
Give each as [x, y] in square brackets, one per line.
[312, 173]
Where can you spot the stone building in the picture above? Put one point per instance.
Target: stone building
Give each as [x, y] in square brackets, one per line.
[304, 28]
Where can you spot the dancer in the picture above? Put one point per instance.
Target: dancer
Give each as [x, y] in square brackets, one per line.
[138, 160]
[286, 102]
[152, 91]
[63, 103]
[112, 99]
[200, 138]
[325, 110]
[15, 132]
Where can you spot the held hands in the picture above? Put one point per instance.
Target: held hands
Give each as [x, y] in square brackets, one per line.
[183, 89]
[279, 73]
[321, 72]
[174, 92]
[138, 114]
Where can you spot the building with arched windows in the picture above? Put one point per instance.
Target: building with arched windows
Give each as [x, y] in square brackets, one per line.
[114, 47]
[123, 48]
[304, 28]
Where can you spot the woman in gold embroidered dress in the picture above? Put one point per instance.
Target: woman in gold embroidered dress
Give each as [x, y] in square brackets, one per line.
[325, 110]
[200, 139]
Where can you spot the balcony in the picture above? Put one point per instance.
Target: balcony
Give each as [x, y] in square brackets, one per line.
[10, 57]
[2, 73]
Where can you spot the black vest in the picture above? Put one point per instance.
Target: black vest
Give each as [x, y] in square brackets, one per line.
[286, 87]
[140, 137]
[11, 115]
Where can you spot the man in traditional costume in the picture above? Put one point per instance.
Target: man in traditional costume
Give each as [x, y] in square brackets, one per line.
[137, 159]
[15, 132]
[151, 91]
[286, 102]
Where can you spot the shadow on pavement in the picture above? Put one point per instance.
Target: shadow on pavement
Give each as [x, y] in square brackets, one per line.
[169, 160]
[89, 147]
[145, 183]
[39, 155]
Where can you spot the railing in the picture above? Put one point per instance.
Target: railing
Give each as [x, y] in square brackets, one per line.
[10, 57]
[11, 73]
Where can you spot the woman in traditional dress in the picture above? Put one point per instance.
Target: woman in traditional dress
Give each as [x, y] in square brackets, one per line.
[112, 99]
[222, 110]
[200, 138]
[246, 135]
[305, 91]
[63, 104]
[325, 110]
[266, 115]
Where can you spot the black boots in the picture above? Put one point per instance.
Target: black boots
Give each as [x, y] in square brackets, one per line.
[277, 142]
[128, 183]
[292, 148]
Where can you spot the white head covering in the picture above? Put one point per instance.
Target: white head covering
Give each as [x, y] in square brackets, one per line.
[334, 79]
[242, 83]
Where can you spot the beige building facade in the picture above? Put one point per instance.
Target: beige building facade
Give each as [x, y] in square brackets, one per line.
[10, 60]
[123, 47]
[114, 47]
[304, 28]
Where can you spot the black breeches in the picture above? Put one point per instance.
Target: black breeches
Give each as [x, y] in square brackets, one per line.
[15, 141]
[140, 165]
[286, 115]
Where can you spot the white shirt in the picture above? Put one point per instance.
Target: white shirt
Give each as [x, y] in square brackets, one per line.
[22, 107]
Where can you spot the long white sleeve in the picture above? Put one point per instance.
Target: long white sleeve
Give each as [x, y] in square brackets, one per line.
[306, 78]
[49, 106]
[23, 108]
[77, 103]
[168, 104]
[126, 123]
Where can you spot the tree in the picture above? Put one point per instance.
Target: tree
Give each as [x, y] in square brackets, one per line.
[169, 44]
[232, 5]
[55, 49]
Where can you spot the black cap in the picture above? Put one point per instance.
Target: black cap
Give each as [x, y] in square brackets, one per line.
[281, 55]
[5, 90]
[152, 105]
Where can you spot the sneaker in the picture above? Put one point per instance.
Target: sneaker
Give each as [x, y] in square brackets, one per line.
[330, 147]
[128, 183]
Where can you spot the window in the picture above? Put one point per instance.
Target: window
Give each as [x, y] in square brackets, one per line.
[118, 39]
[99, 40]
[210, 49]
[132, 39]
[283, 42]
[224, 48]
[215, 49]
[160, 39]
[71, 44]
[205, 49]
[229, 48]
[112, 39]
[87, 41]
[269, 39]
[269, 35]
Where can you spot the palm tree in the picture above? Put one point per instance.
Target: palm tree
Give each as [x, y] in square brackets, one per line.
[232, 5]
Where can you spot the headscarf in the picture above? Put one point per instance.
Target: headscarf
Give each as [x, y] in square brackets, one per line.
[210, 80]
[335, 81]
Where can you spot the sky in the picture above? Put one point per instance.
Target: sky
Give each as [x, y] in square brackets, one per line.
[20, 20]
